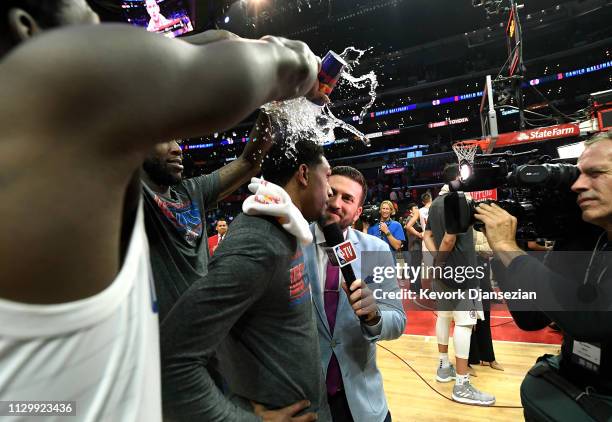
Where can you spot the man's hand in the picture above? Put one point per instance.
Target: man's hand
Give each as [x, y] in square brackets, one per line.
[305, 81]
[500, 229]
[361, 300]
[261, 139]
[240, 171]
[285, 414]
[383, 228]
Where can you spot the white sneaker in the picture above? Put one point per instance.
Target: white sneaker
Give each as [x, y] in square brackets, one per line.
[446, 374]
[468, 394]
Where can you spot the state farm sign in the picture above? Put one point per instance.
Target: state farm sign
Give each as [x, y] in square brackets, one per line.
[527, 136]
[551, 132]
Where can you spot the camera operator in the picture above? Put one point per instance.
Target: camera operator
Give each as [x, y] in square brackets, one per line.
[387, 229]
[583, 371]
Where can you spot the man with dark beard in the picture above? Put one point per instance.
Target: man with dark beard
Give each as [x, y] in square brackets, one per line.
[175, 209]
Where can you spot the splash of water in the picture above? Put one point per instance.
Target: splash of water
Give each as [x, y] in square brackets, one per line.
[343, 125]
[359, 82]
[299, 117]
[353, 62]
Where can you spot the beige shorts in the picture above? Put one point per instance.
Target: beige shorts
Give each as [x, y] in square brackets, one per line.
[464, 312]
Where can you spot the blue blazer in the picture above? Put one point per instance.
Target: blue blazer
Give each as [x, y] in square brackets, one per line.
[354, 345]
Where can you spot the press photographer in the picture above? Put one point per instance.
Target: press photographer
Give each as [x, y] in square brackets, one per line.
[577, 385]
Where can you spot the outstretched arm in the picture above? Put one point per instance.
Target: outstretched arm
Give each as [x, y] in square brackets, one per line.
[132, 89]
[240, 171]
[89, 102]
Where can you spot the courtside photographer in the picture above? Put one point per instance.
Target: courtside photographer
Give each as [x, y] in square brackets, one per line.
[573, 293]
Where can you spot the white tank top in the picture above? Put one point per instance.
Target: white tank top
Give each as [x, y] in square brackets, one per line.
[101, 352]
[423, 216]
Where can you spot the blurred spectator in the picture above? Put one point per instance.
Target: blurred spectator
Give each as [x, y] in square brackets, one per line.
[214, 241]
[414, 232]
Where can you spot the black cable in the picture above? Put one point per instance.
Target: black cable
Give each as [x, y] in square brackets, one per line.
[503, 323]
[497, 78]
[549, 103]
[433, 311]
[430, 386]
[540, 119]
[423, 306]
[423, 379]
[535, 125]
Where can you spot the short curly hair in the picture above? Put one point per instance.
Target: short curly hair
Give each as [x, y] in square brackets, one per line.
[282, 161]
[390, 204]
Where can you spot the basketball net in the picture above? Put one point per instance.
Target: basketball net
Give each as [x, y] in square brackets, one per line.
[465, 151]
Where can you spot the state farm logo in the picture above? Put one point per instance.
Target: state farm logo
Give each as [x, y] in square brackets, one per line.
[549, 133]
[536, 135]
[522, 136]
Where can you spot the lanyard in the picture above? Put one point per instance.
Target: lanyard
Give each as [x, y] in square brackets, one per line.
[587, 292]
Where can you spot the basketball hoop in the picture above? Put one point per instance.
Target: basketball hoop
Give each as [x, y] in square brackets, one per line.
[466, 151]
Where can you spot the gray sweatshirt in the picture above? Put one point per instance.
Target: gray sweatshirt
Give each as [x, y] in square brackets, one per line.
[254, 309]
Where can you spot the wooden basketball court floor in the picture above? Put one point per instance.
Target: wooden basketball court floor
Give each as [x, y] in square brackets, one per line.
[411, 399]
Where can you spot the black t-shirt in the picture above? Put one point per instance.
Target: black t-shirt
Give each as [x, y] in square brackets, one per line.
[464, 252]
[178, 242]
[414, 242]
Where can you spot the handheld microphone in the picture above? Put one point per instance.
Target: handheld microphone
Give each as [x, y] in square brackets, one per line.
[344, 252]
